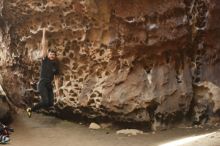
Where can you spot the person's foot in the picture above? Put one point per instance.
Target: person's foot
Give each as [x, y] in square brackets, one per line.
[29, 112]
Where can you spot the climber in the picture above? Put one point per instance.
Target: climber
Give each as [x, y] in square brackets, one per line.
[48, 72]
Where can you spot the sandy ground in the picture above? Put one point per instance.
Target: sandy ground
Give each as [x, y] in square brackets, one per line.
[41, 130]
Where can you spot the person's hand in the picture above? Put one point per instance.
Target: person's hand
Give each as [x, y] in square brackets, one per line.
[57, 93]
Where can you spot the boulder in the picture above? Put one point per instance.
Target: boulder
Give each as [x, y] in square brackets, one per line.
[139, 61]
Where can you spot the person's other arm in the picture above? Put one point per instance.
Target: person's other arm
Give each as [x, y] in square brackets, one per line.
[57, 84]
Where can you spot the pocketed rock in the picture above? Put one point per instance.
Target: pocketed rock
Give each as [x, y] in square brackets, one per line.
[139, 61]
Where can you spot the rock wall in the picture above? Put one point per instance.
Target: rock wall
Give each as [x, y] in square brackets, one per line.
[133, 61]
[6, 108]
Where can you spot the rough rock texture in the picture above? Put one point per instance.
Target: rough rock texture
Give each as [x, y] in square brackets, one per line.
[139, 61]
[5, 107]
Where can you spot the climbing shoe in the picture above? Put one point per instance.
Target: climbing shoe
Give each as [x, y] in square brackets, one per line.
[29, 112]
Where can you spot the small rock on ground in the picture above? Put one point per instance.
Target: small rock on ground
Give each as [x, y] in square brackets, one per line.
[130, 131]
[94, 126]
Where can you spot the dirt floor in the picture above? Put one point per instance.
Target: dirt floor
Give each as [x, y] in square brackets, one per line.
[41, 130]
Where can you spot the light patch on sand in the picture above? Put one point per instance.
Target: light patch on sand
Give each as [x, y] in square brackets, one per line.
[186, 140]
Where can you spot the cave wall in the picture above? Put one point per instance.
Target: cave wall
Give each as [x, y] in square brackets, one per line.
[6, 108]
[136, 61]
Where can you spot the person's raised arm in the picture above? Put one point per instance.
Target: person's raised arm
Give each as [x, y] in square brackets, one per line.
[44, 48]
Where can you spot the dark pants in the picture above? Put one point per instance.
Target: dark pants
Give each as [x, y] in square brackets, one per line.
[45, 89]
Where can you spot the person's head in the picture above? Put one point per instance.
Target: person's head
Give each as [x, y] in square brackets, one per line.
[51, 54]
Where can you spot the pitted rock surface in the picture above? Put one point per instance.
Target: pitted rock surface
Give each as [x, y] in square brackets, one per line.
[133, 61]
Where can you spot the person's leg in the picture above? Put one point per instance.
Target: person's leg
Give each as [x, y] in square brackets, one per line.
[44, 97]
[50, 96]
